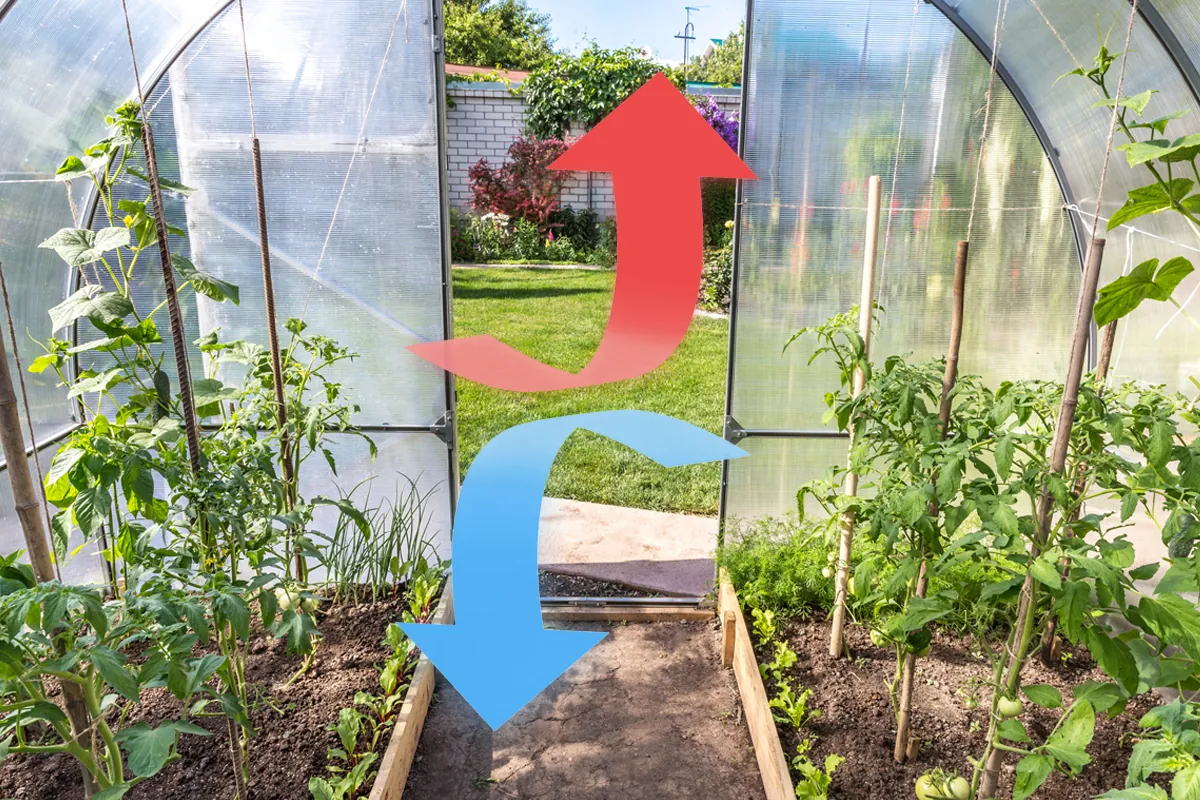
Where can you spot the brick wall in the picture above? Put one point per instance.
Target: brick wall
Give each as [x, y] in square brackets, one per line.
[484, 121]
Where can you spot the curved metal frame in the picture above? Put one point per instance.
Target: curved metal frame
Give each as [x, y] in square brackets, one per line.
[1166, 37]
[950, 12]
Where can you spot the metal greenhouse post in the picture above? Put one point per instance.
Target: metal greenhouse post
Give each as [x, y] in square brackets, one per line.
[866, 307]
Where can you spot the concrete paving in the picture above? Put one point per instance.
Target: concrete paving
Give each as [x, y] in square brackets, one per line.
[671, 554]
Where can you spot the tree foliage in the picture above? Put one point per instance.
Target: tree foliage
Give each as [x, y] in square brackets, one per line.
[497, 33]
[584, 88]
[723, 66]
[525, 187]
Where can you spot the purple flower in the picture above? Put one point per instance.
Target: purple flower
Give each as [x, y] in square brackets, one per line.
[725, 124]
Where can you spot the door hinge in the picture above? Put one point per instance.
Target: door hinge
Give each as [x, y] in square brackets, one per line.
[443, 428]
[437, 43]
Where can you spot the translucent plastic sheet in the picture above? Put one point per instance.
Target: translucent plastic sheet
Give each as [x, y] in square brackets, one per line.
[1044, 39]
[831, 83]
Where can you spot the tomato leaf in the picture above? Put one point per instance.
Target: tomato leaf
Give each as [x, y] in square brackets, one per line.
[1044, 695]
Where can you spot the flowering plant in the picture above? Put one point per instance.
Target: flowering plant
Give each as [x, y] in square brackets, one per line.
[723, 122]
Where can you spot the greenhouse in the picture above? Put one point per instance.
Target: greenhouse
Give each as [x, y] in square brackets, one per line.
[396, 402]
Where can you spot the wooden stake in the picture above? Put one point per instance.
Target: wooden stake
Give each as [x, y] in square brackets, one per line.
[1021, 635]
[866, 308]
[903, 749]
[728, 638]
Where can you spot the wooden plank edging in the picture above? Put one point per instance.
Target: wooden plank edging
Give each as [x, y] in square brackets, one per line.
[398, 758]
[777, 780]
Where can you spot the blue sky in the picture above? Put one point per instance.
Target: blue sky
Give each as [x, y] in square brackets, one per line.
[643, 23]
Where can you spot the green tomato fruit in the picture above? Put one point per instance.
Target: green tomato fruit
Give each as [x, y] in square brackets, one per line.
[827, 573]
[925, 788]
[1008, 707]
[960, 788]
[924, 651]
[831, 557]
[878, 639]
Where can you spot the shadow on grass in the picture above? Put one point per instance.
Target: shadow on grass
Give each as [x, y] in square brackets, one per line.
[517, 293]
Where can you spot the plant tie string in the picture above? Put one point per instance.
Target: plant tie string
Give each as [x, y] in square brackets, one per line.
[1001, 17]
[887, 232]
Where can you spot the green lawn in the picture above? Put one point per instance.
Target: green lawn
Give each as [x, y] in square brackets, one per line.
[558, 317]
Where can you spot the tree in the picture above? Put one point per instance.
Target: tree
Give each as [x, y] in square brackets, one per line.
[723, 66]
[585, 88]
[497, 33]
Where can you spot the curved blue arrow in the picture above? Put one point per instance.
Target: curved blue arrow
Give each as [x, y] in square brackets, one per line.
[498, 655]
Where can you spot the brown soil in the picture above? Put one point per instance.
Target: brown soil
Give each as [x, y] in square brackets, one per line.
[292, 740]
[558, 584]
[857, 721]
[648, 714]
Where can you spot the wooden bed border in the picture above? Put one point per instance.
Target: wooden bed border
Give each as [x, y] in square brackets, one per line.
[398, 758]
[739, 651]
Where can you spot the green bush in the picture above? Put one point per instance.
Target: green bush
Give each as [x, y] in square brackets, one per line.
[776, 565]
[716, 280]
[718, 197]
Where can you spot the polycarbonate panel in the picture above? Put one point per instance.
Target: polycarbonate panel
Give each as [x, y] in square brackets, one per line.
[829, 84]
[83, 565]
[765, 483]
[63, 65]
[346, 107]
[402, 456]
[1045, 40]
[1183, 17]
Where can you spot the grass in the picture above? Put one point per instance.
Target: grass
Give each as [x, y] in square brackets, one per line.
[558, 316]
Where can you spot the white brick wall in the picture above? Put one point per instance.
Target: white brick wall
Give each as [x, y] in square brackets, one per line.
[485, 120]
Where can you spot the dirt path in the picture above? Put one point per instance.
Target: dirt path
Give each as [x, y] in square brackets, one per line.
[647, 715]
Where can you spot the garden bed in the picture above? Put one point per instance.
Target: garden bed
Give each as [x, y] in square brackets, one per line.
[857, 722]
[647, 715]
[292, 721]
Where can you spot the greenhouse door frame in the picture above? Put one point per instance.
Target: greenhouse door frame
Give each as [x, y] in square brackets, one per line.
[734, 432]
[445, 428]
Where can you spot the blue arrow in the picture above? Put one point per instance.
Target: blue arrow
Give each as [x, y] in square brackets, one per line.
[498, 655]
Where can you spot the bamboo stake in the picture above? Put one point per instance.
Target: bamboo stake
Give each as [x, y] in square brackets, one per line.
[1022, 632]
[37, 545]
[866, 308]
[1050, 634]
[903, 749]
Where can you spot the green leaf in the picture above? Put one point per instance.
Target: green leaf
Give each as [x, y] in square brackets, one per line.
[1135, 793]
[90, 301]
[1136, 103]
[1006, 520]
[1145, 282]
[79, 246]
[114, 792]
[1044, 695]
[233, 609]
[1186, 785]
[1144, 572]
[1151, 200]
[1114, 658]
[1032, 772]
[921, 611]
[1012, 730]
[1069, 743]
[205, 284]
[320, 789]
[1129, 502]
[1004, 456]
[148, 748]
[91, 510]
[1149, 756]
[1162, 438]
[165, 183]
[110, 665]
[1045, 572]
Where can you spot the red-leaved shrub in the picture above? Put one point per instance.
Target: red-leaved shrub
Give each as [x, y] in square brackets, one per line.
[524, 187]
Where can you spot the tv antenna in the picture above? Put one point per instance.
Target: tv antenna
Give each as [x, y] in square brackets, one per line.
[688, 36]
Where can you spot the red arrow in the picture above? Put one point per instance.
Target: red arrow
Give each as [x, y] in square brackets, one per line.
[657, 148]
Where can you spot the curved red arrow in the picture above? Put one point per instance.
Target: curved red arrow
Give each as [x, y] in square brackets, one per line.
[657, 148]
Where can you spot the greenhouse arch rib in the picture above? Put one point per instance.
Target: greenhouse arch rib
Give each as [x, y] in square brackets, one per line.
[985, 48]
[1170, 42]
[153, 78]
